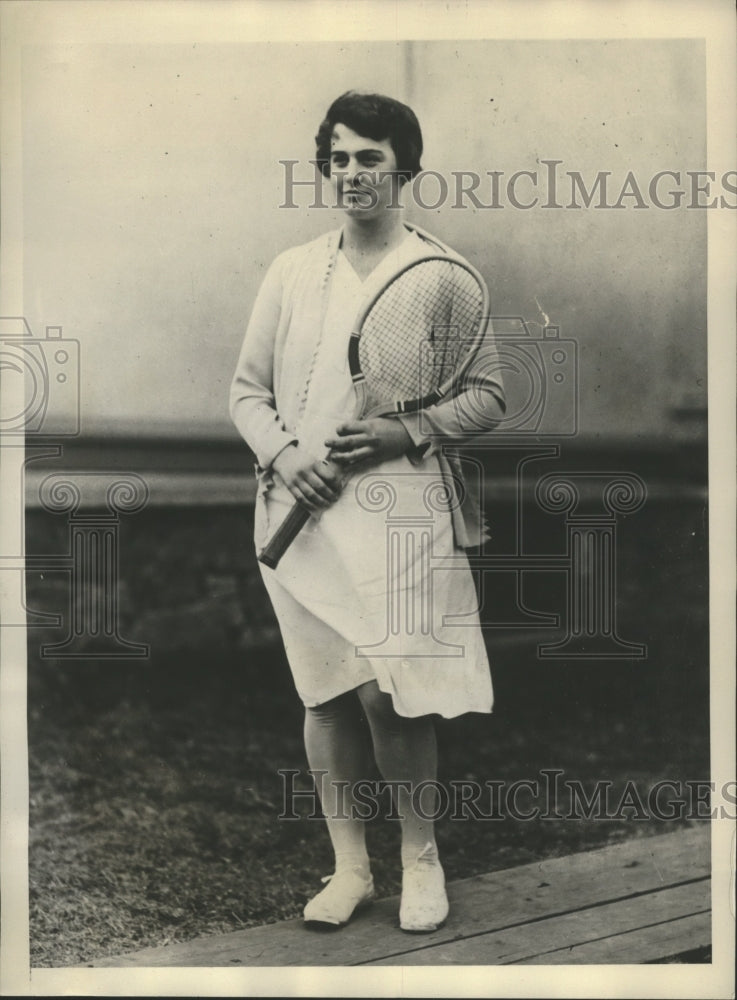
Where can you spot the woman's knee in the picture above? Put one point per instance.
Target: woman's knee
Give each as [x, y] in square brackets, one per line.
[379, 708]
[338, 710]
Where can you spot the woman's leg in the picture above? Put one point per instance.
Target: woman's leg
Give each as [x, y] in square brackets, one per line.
[335, 742]
[406, 752]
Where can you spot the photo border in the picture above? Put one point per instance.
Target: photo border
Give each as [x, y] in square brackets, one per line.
[25, 22]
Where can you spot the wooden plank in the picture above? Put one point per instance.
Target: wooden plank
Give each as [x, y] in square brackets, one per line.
[484, 903]
[532, 943]
[635, 947]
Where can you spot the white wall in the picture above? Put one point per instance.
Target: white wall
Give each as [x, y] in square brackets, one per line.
[152, 186]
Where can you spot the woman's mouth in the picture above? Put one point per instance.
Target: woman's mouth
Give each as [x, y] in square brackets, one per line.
[356, 198]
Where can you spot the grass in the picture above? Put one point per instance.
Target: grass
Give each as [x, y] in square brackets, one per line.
[155, 786]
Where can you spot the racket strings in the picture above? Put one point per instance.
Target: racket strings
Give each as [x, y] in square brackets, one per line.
[419, 332]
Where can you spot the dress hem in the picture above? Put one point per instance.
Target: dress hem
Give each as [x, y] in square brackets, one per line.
[404, 715]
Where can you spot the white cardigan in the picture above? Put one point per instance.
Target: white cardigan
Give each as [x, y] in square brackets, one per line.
[274, 370]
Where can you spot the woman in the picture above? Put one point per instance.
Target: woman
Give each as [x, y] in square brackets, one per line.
[292, 400]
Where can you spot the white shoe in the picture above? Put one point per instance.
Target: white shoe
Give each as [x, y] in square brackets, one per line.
[424, 906]
[347, 891]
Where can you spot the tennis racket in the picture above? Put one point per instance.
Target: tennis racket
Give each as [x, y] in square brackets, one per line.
[411, 346]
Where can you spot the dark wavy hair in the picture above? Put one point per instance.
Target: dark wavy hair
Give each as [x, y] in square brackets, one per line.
[378, 118]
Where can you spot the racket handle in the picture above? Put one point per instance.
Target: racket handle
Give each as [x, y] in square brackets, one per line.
[283, 537]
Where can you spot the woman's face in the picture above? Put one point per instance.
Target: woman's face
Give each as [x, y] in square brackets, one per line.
[362, 172]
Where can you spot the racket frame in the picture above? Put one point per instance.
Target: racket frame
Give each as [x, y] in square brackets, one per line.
[443, 390]
[298, 516]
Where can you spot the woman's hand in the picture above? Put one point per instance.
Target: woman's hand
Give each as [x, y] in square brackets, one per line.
[316, 483]
[368, 442]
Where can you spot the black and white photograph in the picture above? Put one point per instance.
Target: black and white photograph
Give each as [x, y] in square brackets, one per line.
[367, 557]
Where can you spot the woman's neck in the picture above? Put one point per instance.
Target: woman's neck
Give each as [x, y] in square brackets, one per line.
[373, 237]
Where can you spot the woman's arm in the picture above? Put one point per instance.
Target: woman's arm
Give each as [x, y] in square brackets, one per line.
[252, 403]
[368, 442]
[475, 410]
[253, 406]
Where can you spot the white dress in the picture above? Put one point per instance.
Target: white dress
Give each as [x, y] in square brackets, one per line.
[374, 587]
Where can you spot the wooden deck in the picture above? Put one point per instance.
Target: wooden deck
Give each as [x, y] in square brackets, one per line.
[635, 902]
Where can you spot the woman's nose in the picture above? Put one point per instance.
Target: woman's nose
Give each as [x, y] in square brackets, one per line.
[351, 170]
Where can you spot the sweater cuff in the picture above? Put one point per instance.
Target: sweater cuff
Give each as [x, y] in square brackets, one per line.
[275, 446]
[423, 444]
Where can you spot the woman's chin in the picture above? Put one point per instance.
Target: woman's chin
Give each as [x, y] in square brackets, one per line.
[358, 211]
